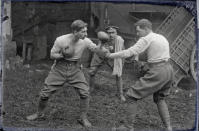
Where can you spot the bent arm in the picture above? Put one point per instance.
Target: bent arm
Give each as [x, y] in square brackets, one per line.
[56, 51]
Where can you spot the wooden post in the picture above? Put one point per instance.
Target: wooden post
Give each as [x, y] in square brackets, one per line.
[6, 23]
[0, 36]
[29, 52]
[24, 51]
[198, 13]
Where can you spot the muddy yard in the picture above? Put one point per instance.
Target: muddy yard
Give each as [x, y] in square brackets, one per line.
[21, 91]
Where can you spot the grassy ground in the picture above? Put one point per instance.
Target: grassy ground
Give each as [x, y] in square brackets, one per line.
[21, 91]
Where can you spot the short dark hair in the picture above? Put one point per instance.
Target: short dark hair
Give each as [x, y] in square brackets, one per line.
[77, 25]
[144, 23]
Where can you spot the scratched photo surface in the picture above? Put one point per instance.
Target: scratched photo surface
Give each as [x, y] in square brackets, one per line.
[29, 30]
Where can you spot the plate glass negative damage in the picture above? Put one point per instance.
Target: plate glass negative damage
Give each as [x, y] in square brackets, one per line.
[29, 32]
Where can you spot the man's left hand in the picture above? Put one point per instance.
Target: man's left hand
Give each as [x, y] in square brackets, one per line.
[111, 48]
[102, 51]
[108, 54]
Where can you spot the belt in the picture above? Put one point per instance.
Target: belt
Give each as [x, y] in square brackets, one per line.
[157, 63]
[67, 62]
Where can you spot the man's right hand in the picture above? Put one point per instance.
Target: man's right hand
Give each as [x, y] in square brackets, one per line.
[68, 52]
[56, 55]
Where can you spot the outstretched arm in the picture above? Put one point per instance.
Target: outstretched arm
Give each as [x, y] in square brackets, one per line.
[121, 54]
[136, 49]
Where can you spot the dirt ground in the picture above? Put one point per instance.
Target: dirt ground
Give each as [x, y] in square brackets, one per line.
[21, 91]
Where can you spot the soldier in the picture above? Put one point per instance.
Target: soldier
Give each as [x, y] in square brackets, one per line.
[157, 80]
[114, 44]
[67, 50]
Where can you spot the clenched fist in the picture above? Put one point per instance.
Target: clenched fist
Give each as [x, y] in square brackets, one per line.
[68, 51]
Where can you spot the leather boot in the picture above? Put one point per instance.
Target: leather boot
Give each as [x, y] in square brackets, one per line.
[84, 106]
[119, 84]
[39, 114]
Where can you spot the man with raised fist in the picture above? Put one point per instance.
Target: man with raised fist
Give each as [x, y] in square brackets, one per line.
[67, 51]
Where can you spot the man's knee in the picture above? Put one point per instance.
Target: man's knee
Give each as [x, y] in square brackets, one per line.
[158, 98]
[84, 94]
[43, 97]
[92, 71]
[130, 99]
[46, 92]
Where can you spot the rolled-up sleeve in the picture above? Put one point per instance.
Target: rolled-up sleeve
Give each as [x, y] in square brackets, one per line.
[141, 45]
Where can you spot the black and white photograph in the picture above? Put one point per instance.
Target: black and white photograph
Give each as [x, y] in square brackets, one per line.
[99, 65]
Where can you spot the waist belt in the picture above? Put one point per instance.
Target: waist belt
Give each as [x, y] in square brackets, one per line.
[67, 62]
[161, 63]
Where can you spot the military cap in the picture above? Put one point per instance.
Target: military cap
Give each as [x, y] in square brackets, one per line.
[111, 26]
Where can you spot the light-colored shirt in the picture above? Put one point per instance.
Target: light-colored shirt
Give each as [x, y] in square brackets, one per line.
[79, 46]
[156, 46]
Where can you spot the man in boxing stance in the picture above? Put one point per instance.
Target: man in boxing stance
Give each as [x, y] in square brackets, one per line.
[67, 51]
[157, 81]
